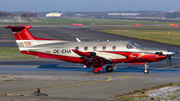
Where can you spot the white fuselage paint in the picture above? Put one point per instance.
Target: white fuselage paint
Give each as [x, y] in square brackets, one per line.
[64, 48]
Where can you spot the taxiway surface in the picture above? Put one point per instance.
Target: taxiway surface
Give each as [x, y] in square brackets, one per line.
[72, 81]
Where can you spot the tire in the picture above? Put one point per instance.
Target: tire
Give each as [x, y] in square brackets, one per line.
[109, 68]
[96, 71]
[146, 71]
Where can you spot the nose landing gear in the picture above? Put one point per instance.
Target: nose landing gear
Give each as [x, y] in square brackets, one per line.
[146, 71]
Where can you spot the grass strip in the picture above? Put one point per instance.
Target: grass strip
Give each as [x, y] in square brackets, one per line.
[137, 94]
[13, 53]
[96, 21]
[161, 36]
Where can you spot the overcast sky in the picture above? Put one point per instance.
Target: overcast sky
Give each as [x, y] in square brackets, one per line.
[89, 5]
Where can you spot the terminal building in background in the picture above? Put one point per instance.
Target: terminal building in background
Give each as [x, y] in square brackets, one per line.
[54, 14]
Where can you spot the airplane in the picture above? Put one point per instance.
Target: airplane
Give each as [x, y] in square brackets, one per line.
[91, 54]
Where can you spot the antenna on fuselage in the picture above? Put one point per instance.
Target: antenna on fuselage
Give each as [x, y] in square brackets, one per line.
[78, 40]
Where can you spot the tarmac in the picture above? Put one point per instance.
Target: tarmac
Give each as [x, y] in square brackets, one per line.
[72, 82]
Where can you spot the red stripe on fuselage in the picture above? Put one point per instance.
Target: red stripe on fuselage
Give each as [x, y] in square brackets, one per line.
[131, 57]
[60, 57]
[52, 56]
[138, 57]
[30, 53]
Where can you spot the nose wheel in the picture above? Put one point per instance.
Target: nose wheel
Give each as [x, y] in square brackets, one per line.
[146, 71]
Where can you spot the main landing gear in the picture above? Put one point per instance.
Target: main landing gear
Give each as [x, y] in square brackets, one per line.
[96, 70]
[110, 68]
[146, 71]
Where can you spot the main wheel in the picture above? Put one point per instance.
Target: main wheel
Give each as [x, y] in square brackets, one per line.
[96, 71]
[109, 68]
[146, 71]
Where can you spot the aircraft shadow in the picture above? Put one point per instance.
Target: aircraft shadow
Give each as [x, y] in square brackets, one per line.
[89, 70]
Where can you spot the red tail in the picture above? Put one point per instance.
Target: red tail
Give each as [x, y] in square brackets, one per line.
[21, 32]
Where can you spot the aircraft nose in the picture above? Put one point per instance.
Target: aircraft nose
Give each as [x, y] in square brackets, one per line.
[170, 53]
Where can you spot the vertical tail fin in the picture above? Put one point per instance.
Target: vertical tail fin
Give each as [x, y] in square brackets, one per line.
[25, 39]
[21, 32]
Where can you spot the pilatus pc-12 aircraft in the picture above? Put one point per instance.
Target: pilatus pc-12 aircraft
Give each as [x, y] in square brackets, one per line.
[91, 54]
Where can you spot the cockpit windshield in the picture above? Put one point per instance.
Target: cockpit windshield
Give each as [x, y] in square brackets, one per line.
[128, 46]
[136, 45]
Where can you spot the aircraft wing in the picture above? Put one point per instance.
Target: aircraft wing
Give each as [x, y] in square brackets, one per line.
[80, 53]
[90, 58]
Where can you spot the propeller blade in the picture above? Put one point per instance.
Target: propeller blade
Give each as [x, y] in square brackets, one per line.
[168, 55]
[167, 59]
[170, 60]
[170, 44]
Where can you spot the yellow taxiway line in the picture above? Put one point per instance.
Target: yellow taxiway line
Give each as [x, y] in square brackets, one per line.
[169, 66]
[109, 78]
[126, 76]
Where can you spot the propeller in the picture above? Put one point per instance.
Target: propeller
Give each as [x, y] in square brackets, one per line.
[169, 56]
[169, 59]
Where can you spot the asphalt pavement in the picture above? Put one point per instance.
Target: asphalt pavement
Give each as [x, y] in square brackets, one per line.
[69, 81]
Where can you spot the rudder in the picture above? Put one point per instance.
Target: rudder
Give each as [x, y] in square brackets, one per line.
[21, 32]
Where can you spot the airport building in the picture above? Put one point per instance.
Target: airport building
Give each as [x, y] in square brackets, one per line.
[54, 14]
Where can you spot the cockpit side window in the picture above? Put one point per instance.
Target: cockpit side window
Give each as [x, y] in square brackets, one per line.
[128, 46]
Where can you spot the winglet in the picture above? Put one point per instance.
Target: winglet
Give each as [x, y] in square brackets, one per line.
[78, 40]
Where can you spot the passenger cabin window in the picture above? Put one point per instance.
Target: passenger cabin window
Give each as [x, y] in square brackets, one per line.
[85, 48]
[94, 48]
[104, 48]
[77, 48]
[128, 46]
[114, 47]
